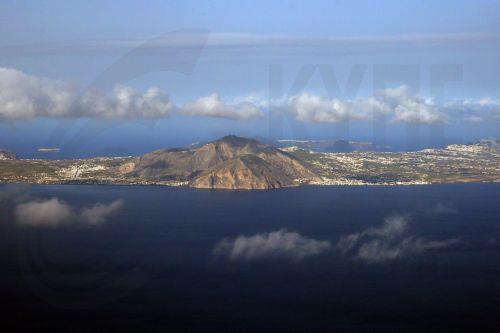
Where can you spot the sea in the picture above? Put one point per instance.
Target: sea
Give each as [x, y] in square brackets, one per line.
[312, 258]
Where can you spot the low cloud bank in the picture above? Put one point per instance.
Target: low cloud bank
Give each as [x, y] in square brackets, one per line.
[388, 242]
[280, 243]
[54, 212]
[98, 213]
[398, 104]
[49, 213]
[24, 96]
[213, 106]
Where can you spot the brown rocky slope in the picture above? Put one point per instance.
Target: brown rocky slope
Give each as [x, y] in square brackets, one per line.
[229, 163]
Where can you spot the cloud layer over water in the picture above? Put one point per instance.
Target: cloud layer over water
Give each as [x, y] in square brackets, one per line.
[388, 242]
[54, 212]
[24, 96]
[213, 106]
[280, 243]
[49, 213]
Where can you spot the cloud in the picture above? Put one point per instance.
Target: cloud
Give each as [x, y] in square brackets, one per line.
[213, 106]
[398, 103]
[126, 103]
[24, 96]
[48, 213]
[54, 212]
[388, 242]
[312, 108]
[410, 108]
[379, 250]
[225, 40]
[99, 212]
[369, 42]
[280, 243]
[485, 109]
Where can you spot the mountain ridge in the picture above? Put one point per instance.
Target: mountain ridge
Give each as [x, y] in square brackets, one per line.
[231, 162]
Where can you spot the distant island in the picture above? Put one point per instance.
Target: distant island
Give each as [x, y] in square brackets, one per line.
[48, 150]
[234, 162]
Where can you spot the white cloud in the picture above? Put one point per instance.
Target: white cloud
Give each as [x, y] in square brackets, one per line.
[416, 113]
[380, 250]
[410, 108]
[388, 242]
[279, 243]
[54, 212]
[126, 103]
[489, 102]
[398, 103]
[99, 212]
[311, 108]
[24, 96]
[47, 213]
[213, 106]
[485, 109]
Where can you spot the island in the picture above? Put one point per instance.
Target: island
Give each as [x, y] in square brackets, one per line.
[234, 162]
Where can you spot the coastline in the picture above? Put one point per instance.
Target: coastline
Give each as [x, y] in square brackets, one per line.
[311, 184]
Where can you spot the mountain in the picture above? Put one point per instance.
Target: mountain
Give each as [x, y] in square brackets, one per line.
[229, 163]
[7, 155]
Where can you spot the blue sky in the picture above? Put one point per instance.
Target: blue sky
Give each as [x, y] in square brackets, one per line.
[35, 21]
[217, 80]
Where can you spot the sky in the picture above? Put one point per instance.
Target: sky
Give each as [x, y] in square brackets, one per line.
[125, 77]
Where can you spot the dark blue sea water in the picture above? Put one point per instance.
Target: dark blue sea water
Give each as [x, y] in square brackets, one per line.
[151, 264]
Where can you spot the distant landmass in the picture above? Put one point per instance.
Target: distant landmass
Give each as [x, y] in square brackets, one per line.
[330, 146]
[234, 162]
[48, 150]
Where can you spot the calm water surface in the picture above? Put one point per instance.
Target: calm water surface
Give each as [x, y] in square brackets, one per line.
[152, 263]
